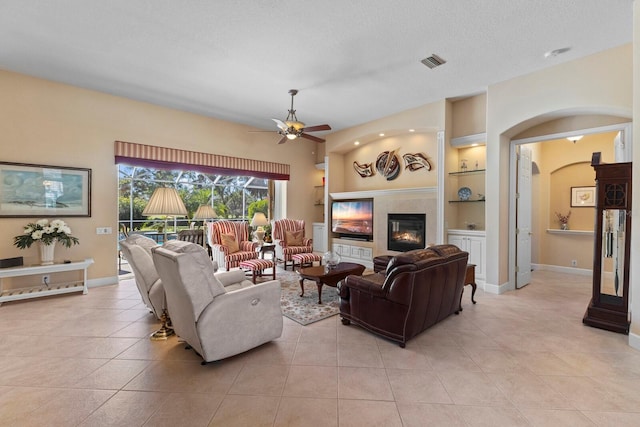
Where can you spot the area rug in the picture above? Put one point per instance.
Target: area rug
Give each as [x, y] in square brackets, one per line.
[306, 310]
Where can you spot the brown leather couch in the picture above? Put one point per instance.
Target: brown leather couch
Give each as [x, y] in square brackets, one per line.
[418, 289]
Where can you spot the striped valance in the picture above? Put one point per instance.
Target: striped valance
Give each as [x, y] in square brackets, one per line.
[172, 158]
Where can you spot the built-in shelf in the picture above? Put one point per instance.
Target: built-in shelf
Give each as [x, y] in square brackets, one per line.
[570, 232]
[468, 172]
[466, 201]
[44, 290]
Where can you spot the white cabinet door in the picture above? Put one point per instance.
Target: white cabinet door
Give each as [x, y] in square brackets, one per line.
[476, 246]
[477, 251]
[319, 244]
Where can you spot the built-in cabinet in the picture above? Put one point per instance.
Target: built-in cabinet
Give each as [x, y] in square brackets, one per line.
[319, 237]
[358, 252]
[466, 183]
[473, 242]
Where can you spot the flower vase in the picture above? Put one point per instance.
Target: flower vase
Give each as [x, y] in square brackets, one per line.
[46, 253]
[564, 226]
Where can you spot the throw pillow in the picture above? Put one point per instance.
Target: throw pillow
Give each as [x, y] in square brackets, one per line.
[293, 238]
[229, 240]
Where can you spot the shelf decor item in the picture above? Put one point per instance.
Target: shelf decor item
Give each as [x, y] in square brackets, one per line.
[44, 191]
[46, 234]
[464, 193]
[563, 220]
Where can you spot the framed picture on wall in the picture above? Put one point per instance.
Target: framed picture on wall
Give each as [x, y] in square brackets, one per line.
[28, 190]
[583, 197]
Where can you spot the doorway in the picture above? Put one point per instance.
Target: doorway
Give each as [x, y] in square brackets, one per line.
[535, 238]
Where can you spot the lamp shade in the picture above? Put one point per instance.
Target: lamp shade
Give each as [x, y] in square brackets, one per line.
[205, 212]
[259, 220]
[165, 201]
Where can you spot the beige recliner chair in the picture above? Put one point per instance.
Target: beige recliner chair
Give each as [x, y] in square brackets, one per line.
[217, 315]
[137, 251]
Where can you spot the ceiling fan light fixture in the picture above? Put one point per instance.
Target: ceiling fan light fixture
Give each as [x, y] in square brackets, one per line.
[291, 136]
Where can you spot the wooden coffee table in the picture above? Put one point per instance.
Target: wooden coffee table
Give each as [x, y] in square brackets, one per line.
[330, 277]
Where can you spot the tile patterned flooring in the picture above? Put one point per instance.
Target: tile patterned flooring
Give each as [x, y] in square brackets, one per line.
[519, 359]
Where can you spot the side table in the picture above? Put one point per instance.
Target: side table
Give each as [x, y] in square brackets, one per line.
[470, 279]
[267, 249]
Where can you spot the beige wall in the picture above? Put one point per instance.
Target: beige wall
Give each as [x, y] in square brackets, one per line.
[589, 85]
[469, 116]
[56, 124]
[408, 143]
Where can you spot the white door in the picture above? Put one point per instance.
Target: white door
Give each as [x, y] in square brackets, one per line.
[523, 218]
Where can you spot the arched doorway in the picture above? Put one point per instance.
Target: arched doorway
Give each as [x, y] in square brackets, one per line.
[541, 232]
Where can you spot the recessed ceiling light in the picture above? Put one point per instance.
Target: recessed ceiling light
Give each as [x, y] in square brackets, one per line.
[474, 145]
[412, 130]
[556, 52]
[381, 134]
[356, 143]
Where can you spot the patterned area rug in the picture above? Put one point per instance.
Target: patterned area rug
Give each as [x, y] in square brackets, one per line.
[306, 310]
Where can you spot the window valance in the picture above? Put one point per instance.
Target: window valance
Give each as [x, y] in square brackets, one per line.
[173, 158]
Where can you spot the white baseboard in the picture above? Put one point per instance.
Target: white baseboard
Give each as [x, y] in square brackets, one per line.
[102, 281]
[497, 289]
[560, 269]
[634, 340]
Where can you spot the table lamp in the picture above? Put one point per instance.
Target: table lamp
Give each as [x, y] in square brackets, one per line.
[259, 220]
[165, 202]
[204, 213]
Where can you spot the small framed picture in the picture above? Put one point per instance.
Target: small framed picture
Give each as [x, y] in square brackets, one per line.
[583, 197]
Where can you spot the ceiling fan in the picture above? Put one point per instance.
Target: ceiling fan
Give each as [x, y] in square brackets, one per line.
[291, 128]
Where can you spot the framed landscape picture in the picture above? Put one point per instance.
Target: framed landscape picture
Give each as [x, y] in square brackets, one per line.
[583, 197]
[28, 190]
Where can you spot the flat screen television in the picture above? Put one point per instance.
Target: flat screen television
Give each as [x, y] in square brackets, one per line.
[352, 219]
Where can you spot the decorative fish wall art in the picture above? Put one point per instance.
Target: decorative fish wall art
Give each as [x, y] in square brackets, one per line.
[416, 161]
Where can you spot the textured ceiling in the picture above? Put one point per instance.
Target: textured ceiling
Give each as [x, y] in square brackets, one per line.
[353, 61]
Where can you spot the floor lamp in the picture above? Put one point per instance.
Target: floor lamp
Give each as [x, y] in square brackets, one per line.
[204, 213]
[165, 202]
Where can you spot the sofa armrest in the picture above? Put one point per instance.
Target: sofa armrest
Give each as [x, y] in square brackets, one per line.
[247, 246]
[220, 248]
[371, 284]
[245, 311]
[307, 242]
[230, 277]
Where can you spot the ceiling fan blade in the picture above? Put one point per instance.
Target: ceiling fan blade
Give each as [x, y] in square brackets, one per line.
[311, 137]
[282, 140]
[282, 125]
[317, 128]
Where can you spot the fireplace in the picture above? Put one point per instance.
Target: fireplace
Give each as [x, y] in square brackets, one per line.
[405, 232]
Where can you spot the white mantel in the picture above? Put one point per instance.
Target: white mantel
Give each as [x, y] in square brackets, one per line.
[378, 193]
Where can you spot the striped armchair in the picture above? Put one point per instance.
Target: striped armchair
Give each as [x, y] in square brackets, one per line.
[224, 236]
[284, 251]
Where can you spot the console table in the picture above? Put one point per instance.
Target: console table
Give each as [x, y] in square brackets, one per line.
[44, 290]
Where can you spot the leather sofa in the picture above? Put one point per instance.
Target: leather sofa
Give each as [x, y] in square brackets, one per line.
[418, 289]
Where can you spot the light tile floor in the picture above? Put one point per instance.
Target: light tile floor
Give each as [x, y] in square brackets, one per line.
[519, 359]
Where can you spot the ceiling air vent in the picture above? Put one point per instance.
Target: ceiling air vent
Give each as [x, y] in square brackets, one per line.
[433, 61]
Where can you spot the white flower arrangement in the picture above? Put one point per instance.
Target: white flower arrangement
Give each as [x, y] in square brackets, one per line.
[47, 233]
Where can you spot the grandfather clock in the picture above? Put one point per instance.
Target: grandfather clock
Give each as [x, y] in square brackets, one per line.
[609, 306]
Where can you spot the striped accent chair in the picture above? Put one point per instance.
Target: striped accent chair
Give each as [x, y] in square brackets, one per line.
[284, 251]
[230, 245]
